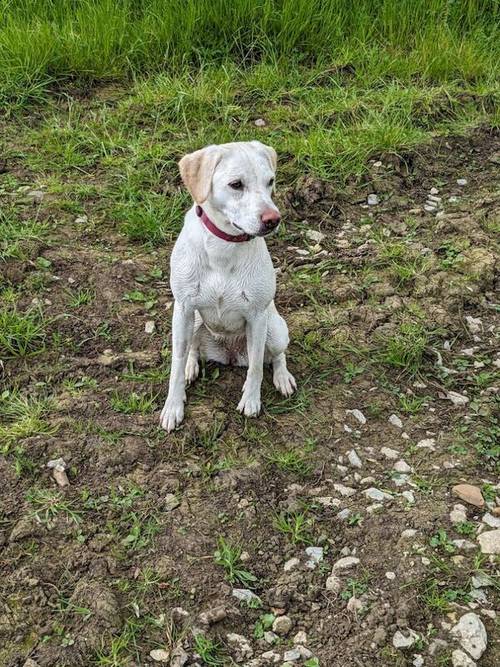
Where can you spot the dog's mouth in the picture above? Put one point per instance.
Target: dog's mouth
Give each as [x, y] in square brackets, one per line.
[240, 229]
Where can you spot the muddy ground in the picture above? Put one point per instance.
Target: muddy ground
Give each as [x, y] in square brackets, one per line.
[120, 562]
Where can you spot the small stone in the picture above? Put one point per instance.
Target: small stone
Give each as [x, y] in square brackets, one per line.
[418, 660]
[333, 584]
[344, 514]
[353, 458]
[81, 220]
[376, 494]
[390, 575]
[300, 637]
[429, 208]
[409, 496]
[328, 501]
[491, 521]
[427, 443]
[150, 327]
[434, 191]
[291, 564]
[401, 466]
[354, 605]
[171, 502]
[240, 644]
[464, 545]
[36, 196]
[259, 122]
[357, 414]
[160, 655]
[315, 557]
[245, 595]
[395, 421]
[292, 655]
[481, 580]
[389, 453]
[345, 563]
[401, 641]
[213, 615]
[434, 199]
[270, 637]
[456, 398]
[408, 533]
[471, 634]
[461, 182]
[372, 200]
[282, 625]
[461, 659]
[490, 542]
[315, 235]
[469, 494]
[271, 656]
[345, 491]
[458, 514]
[474, 324]
[30, 663]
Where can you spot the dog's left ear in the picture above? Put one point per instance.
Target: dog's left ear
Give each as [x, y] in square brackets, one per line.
[197, 170]
[268, 151]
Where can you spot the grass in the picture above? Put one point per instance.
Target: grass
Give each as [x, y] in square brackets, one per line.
[406, 347]
[296, 525]
[228, 556]
[22, 417]
[17, 236]
[209, 650]
[21, 333]
[133, 403]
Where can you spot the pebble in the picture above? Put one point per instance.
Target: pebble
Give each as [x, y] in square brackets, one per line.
[490, 542]
[354, 605]
[471, 634]
[315, 557]
[461, 659]
[344, 514]
[409, 496]
[30, 663]
[291, 564]
[481, 580]
[81, 220]
[418, 660]
[395, 421]
[300, 637]
[259, 122]
[245, 595]
[474, 324]
[333, 584]
[345, 491]
[458, 514]
[171, 502]
[408, 533]
[282, 625]
[345, 563]
[292, 655]
[469, 494]
[376, 494]
[241, 645]
[357, 414]
[354, 459]
[271, 637]
[389, 453]
[150, 327]
[213, 615]
[434, 191]
[456, 398]
[36, 196]
[491, 521]
[401, 641]
[402, 466]
[160, 655]
[461, 182]
[390, 575]
[315, 235]
[271, 656]
[372, 200]
[427, 443]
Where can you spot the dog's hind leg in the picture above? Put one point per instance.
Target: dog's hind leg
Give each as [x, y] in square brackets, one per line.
[276, 345]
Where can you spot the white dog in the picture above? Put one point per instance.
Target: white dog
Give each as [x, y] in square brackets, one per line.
[222, 276]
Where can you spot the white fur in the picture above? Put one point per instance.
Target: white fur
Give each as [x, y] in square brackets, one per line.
[224, 308]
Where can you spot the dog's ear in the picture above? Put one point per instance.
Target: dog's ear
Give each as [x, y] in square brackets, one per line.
[197, 170]
[269, 153]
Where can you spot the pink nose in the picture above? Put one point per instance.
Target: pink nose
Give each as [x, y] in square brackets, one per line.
[270, 218]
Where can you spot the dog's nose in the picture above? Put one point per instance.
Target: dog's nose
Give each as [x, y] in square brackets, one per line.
[270, 218]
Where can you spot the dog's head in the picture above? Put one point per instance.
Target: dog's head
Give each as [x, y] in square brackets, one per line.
[235, 182]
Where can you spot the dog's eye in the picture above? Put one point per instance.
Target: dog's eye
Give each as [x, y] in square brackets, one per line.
[236, 185]
[271, 183]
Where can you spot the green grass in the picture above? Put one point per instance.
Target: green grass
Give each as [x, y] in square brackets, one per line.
[133, 403]
[17, 236]
[21, 333]
[209, 650]
[21, 417]
[228, 556]
[406, 347]
[296, 525]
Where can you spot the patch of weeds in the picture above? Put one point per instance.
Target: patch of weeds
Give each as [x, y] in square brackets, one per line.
[450, 254]
[352, 370]
[401, 261]
[297, 402]
[209, 437]
[133, 403]
[440, 598]
[121, 647]
[22, 417]
[405, 349]
[48, 505]
[294, 461]
[152, 218]
[441, 541]
[141, 531]
[263, 624]
[411, 405]
[354, 519]
[296, 525]
[80, 297]
[487, 442]
[136, 296]
[354, 588]
[21, 334]
[21, 463]
[209, 650]
[228, 557]
[489, 492]
[465, 528]
[76, 386]
[18, 236]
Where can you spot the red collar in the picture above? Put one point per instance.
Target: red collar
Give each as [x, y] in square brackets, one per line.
[240, 238]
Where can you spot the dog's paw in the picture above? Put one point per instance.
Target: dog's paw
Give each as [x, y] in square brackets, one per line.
[249, 404]
[284, 381]
[172, 414]
[192, 369]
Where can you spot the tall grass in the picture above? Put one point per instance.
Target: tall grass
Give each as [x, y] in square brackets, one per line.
[46, 42]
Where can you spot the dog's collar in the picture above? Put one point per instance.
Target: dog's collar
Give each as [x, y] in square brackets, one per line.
[239, 238]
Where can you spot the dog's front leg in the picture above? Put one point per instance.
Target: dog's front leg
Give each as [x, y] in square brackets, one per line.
[182, 334]
[256, 331]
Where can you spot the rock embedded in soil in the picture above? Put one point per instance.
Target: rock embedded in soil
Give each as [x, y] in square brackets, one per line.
[469, 494]
[282, 625]
[150, 327]
[358, 415]
[376, 494]
[245, 595]
[372, 200]
[353, 458]
[292, 655]
[491, 521]
[241, 645]
[345, 491]
[171, 502]
[458, 514]
[389, 453]
[471, 634]
[159, 655]
[401, 466]
[403, 641]
[395, 421]
[490, 541]
[213, 615]
[345, 563]
[461, 659]
[315, 557]
[333, 584]
[456, 398]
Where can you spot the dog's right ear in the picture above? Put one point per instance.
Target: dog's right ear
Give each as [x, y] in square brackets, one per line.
[197, 170]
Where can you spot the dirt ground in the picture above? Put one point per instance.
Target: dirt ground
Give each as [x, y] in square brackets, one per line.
[120, 562]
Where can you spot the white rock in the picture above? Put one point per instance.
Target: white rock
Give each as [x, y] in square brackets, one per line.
[418, 660]
[395, 421]
[471, 634]
[292, 655]
[427, 443]
[430, 208]
[491, 521]
[434, 191]
[456, 398]
[300, 637]
[474, 324]
[402, 466]
[282, 625]
[344, 514]
[372, 200]
[354, 605]
[345, 491]
[150, 327]
[314, 235]
[241, 644]
[345, 563]
[357, 414]
[404, 641]
[376, 494]
[305, 653]
[390, 575]
[461, 659]
[409, 496]
[464, 545]
[354, 459]
[245, 595]
[259, 122]
[461, 181]
[81, 220]
[171, 502]
[458, 514]
[408, 533]
[481, 580]
[291, 564]
[315, 557]
[389, 453]
[333, 583]
[271, 637]
[490, 541]
[159, 655]
[271, 656]
[328, 501]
